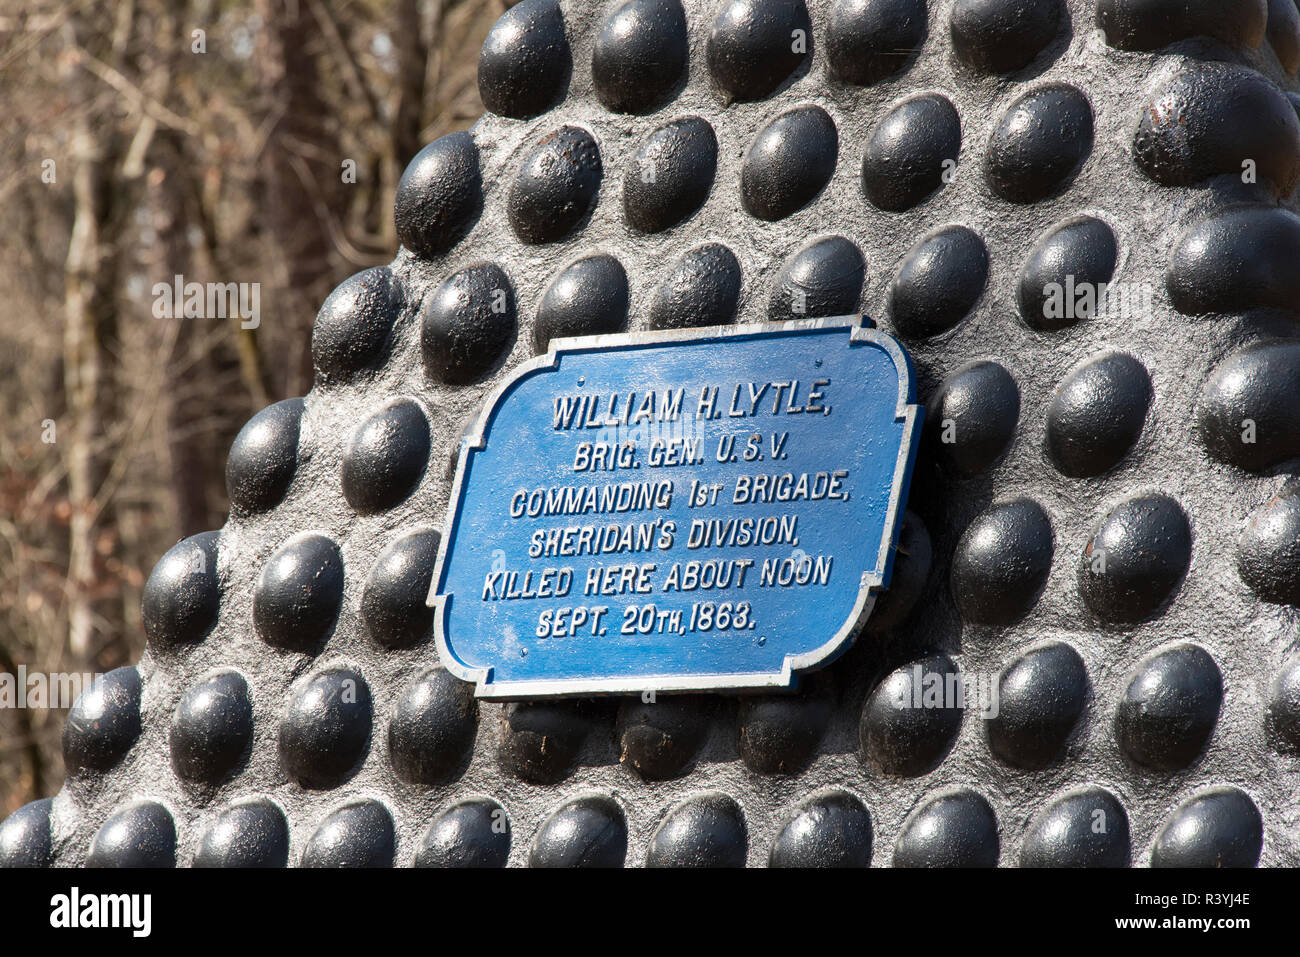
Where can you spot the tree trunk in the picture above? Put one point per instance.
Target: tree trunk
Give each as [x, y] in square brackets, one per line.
[89, 347]
[300, 169]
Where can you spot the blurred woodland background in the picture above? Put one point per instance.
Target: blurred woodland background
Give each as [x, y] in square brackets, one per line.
[146, 139]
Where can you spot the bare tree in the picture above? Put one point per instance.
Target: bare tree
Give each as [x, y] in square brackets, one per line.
[135, 150]
[90, 338]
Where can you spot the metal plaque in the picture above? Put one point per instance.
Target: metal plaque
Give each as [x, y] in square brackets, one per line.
[700, 509]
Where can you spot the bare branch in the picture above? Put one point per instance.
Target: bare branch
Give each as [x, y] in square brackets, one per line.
[128, 89]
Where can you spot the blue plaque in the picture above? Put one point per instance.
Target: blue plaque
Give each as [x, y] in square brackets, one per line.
[705, 509]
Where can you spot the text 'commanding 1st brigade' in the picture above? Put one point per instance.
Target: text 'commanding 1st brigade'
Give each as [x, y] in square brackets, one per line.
[705, 509]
